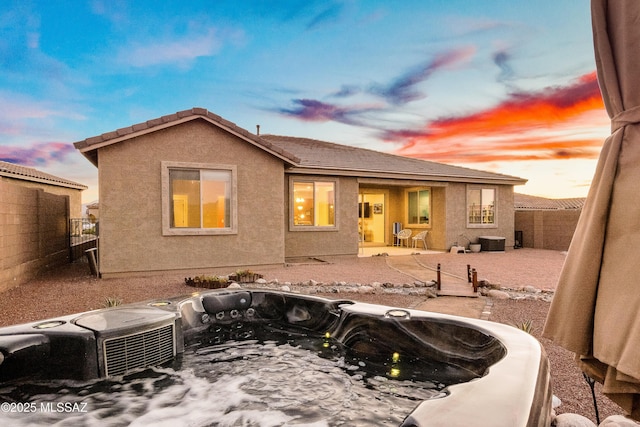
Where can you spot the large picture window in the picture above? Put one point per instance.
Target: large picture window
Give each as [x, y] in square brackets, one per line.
[313, 204]
[418, 207]
[198, 199]
[481, 206]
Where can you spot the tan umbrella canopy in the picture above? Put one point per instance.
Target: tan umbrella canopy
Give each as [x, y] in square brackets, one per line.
[596, 310]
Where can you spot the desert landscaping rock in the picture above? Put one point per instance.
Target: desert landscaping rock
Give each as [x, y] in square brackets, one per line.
[618, 421]
[365, 289]
[494, 293]
[555, 401]
[572, 420]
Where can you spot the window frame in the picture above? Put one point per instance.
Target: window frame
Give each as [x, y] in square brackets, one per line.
[481, 224]
[313, 180]
[408, 213]
[167, 230]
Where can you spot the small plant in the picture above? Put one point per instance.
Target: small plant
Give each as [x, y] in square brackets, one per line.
[525, 325]
[111, 302]
[242, 273]
[209, 282]
[245, 276]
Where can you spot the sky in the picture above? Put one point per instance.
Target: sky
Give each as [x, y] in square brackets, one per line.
[506, 86]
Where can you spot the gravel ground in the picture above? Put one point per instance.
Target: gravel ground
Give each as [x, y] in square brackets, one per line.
[71, 289]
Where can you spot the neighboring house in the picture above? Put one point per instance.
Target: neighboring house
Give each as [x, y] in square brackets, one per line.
[35, 208]
[92, 211]
[191, 191]
[546, 223]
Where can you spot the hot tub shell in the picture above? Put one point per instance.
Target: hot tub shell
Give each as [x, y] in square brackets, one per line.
[512, 388]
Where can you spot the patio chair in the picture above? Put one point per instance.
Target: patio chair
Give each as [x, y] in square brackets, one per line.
[403, 235]
[420, 237]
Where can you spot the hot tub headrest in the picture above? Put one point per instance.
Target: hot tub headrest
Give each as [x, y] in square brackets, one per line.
[22, 354]
[226, 301]
[25, 343]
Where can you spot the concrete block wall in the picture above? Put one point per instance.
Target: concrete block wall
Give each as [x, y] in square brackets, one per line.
[552, 229]
[33, 233]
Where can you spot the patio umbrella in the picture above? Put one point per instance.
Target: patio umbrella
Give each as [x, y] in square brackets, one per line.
[595, 311]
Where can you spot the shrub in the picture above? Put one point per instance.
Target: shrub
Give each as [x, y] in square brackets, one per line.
[525, 325]
[111, 302]
[245, 276]
[208, 282]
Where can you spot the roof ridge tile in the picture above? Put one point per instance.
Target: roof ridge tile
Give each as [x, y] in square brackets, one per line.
[125, 131]
[214, 116]
[169, 118]
[26, 173]
[140, 126]
[154, 122]
[85, 146]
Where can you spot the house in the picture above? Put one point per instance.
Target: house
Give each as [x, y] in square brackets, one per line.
[35, 208]
[191, 191]
[546, 223]
[92, 211]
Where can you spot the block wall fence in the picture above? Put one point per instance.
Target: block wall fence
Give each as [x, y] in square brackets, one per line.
[34, 233]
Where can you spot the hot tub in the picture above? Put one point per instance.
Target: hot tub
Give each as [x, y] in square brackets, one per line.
[449, 370]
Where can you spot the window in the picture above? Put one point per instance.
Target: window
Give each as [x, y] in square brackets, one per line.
[198, 199]
[481, 206]
[418, 207]
[313, 204]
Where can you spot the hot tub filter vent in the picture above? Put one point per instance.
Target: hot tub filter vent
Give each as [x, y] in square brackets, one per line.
[140, 350]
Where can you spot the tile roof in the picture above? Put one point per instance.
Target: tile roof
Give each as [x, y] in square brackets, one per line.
[322, 155]
[527, 202]
[303, 154]
[89, 147]
[11, 170]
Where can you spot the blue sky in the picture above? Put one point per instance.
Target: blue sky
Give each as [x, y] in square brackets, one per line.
[505, 86]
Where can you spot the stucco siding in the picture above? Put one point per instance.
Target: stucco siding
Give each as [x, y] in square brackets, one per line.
[436, 238]
[342, 240]
[131, 237]
[458, 231]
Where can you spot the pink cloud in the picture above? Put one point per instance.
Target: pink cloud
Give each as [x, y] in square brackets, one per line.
[43, 154]
[547, 124]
